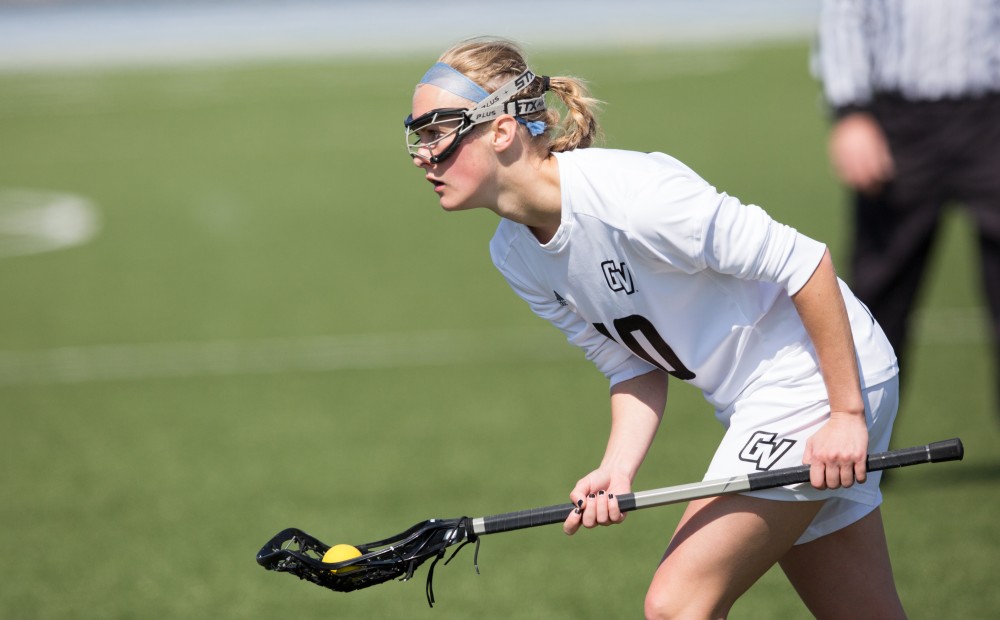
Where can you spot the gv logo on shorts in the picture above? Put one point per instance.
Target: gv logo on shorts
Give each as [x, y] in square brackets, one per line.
[763, 450]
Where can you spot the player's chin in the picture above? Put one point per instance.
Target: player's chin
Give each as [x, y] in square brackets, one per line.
[450, 203]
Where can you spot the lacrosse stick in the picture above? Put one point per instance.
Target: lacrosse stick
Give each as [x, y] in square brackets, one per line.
[294, 551]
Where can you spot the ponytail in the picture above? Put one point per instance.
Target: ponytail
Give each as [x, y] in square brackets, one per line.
[579, 129]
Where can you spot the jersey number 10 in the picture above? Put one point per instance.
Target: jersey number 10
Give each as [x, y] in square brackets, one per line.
[639, 335]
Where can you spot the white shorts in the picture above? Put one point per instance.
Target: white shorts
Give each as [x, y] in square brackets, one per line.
[768, 430]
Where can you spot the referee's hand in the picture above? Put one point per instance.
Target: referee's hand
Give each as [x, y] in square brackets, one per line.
[860, 154]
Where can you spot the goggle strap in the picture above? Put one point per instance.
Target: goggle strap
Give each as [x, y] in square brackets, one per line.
[506, 91]
[518, 107]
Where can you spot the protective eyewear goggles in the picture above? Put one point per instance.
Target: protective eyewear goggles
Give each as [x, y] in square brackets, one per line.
[434, 136]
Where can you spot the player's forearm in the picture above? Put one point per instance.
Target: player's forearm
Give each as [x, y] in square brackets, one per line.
[636, 410]
[821, 307]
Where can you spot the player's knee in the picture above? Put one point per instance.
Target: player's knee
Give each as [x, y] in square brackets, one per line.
[663, 604]
[657, 607]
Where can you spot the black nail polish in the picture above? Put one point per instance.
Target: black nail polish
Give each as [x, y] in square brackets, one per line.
[579, 503]
[577, 510]
[611, 495]
[592, 496]
[601, 493]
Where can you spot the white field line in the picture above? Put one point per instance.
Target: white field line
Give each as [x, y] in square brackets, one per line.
[126, 362]
[274, 356]
[34, 221]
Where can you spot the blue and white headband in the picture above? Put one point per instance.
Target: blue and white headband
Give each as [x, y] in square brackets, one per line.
[448, 78]
[490, 105]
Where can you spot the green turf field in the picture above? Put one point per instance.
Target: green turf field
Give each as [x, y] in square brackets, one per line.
[277, 326]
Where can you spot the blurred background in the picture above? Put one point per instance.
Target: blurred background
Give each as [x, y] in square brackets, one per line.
[128, 32]
[231, 305]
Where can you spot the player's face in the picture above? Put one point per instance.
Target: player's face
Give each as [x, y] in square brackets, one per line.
[459, 180]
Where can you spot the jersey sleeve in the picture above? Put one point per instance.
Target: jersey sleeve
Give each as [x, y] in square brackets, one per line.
[744, 241]
[613, 360]
[686, 222]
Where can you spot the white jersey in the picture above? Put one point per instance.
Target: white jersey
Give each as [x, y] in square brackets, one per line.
[652, 267]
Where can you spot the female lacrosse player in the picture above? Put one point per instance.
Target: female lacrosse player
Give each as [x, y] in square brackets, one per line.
[653, 272]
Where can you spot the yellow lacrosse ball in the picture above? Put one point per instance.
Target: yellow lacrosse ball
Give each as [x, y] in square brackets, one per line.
[341, 553]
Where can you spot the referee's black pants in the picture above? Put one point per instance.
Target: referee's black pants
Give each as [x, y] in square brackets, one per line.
[945, 152]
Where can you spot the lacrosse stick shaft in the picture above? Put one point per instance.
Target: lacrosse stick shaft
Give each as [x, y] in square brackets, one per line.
[949, 450]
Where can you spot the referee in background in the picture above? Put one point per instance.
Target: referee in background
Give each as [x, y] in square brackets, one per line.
[914, 88]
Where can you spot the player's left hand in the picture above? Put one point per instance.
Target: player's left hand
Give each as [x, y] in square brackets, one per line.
[837, 452]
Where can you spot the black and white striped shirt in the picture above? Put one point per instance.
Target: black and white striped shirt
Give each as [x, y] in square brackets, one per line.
[922, 50]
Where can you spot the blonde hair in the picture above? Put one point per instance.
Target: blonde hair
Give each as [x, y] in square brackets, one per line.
[490, 62]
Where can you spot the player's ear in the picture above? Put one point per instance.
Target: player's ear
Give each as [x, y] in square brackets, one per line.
[504, 133]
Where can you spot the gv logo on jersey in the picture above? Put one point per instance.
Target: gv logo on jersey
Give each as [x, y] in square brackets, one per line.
[618, 276]
[763, 450]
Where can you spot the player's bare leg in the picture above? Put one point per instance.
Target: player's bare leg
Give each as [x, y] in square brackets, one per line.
[720, 548]
[846, 574]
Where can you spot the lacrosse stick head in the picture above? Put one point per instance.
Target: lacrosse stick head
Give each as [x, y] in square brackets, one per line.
[293, 551]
